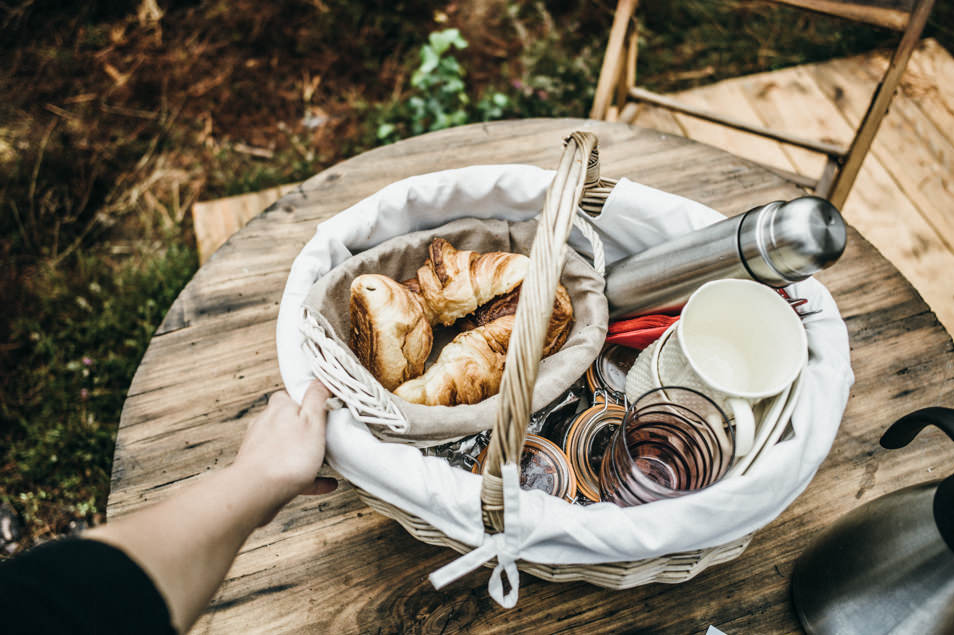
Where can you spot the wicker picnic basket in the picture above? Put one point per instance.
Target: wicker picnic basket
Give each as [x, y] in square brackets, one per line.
[576, 185]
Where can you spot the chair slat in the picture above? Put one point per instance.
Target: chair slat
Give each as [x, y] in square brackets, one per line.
[672, 104]
[891, 14]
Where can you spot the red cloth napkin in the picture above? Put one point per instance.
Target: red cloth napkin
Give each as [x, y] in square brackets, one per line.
[639, 332]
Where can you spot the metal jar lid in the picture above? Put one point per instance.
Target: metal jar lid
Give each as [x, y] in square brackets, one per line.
[543, 466]
[606, 376]
[587, 441]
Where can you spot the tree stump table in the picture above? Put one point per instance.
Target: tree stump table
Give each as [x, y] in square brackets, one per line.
[330, 565]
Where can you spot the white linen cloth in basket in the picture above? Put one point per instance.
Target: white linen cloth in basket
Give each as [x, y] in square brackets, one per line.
[541, 528]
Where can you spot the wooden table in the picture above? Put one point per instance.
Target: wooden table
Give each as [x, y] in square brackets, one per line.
[330, 565]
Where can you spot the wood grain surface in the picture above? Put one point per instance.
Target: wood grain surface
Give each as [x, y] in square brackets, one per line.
[330, 565]
[214, 221]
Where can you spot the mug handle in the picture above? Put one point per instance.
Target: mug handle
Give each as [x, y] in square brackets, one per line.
[744, 425]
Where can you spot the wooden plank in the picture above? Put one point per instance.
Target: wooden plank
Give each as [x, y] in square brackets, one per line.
[798, 99]
[929, 81]
[880, 204]
[911, 147]
[329, 565]
[734, 122]
[791, 99]
[892, 14]
[890, 221]
[922, 151]
[787, 100]
[657, 118]
[729, 96]
[215, 221]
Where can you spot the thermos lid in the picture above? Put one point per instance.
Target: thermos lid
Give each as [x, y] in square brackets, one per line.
[781, 242]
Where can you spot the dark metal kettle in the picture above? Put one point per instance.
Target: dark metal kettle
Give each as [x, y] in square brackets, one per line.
[888, 566]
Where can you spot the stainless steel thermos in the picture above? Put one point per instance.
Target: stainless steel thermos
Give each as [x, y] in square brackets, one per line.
[776, 244]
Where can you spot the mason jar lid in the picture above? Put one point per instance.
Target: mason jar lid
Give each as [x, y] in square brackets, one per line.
[587, 440]
[607, 374]
[543, 466]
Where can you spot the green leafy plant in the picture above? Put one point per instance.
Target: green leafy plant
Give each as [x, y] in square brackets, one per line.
[440, 98]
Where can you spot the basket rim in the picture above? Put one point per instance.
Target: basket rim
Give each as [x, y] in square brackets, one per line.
[460, 518]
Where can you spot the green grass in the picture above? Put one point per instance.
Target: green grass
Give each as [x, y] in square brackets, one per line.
[88, 327]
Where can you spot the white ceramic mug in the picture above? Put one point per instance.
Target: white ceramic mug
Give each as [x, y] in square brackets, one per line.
[737, 341]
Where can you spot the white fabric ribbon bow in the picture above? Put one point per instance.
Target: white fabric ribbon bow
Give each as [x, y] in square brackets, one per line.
[505, 546]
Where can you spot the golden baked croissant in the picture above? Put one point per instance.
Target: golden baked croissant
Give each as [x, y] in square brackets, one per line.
[558, 329]
[390, 332]
[454, 283]
[468, 369]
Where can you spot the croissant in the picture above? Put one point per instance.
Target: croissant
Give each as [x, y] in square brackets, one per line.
[558, 329]
[454, 283]
[468, 369]
[390, 333]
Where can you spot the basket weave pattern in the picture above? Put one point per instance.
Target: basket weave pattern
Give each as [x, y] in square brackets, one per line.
[576, 185]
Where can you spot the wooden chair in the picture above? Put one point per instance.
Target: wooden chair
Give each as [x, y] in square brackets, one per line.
[617, 93]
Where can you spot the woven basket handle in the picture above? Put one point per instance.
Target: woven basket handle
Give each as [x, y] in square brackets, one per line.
[579, 165]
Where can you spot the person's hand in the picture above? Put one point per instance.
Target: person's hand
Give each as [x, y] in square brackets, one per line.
[285, 446]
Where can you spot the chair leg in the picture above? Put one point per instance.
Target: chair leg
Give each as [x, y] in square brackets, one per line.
[827, 180]
[879, 104]
[628, 113]
[610, 71]
[627, 74]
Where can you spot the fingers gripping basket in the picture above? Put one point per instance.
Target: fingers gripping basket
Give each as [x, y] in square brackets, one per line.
[489, 518]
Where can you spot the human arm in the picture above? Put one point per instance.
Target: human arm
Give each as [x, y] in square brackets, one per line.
[187, 543]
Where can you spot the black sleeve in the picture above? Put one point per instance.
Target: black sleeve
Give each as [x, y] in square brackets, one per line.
[79, 586]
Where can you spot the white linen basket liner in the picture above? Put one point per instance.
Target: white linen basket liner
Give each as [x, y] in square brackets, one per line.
[666, 541]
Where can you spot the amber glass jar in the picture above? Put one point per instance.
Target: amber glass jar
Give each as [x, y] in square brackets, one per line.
[586, 440]
[543, 466]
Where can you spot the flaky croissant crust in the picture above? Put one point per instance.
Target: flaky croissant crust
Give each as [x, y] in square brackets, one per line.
[454, 283]
[467, 371]
[390, 334]
[558, 329]
[391, 324]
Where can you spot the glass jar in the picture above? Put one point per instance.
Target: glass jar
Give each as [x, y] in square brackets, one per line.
[586, 441]
[673, 441]
[606, 376]
[543, 466]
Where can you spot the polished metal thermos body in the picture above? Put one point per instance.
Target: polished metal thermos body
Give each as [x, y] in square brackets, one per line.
[776, 244]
